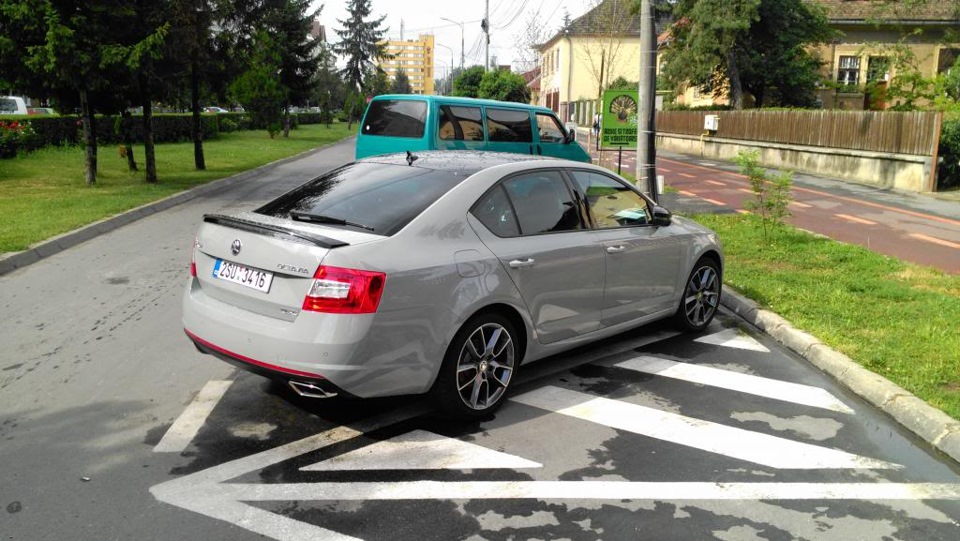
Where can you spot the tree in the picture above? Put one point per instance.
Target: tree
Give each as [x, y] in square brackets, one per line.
[504, 86]
[467, 84]
[401, 84]
[754, 45]
[361, 42]
[259, 88]
[288, 23]
[60, 47]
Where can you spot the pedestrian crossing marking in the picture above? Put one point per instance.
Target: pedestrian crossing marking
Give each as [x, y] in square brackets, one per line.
[754, 447]
[733, 338]
[422, 450]
[796, 393]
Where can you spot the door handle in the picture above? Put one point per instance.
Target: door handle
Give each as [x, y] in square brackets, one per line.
[517, 263]
[616, 249]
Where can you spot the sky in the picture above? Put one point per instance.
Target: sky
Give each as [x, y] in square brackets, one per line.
[508, 18]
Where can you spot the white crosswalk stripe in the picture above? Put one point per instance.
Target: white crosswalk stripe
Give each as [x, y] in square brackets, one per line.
[796, 393]
[734, 442]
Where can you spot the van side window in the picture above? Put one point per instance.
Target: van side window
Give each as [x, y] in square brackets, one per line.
[395, 118]
[549, 128]
[507, 125]
[460, 124]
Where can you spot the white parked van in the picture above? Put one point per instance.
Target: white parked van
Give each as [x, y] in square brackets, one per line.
[13, 105]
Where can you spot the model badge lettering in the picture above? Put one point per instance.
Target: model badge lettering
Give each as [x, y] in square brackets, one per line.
[292, 268]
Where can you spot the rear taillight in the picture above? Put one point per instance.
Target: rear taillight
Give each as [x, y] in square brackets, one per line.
[344, 291]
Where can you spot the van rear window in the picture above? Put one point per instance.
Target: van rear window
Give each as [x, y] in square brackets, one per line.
[395, 118]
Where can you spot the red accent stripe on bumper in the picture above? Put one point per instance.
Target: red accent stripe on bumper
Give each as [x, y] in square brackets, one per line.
[261, 364]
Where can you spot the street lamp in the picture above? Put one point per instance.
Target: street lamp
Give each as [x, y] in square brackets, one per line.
[461, 39]
[449, 77]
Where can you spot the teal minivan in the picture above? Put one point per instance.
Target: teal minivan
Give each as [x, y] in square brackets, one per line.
[399, 123]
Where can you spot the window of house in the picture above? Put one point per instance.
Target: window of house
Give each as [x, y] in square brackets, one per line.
[848, 70]
[946, 59]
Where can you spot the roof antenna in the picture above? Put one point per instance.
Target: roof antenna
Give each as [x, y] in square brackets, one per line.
[411, 158]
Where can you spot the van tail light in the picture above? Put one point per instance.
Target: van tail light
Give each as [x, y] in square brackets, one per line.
[344, 291]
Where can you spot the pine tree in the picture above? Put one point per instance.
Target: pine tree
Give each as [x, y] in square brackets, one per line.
[361, 42]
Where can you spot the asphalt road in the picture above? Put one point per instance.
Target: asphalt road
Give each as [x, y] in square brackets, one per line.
[113, 427]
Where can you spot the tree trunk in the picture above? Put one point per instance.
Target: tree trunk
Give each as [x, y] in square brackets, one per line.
[126, 130]
[286, 121]
[89, 139]
[198, 161]
[736, 87]
[149, 152]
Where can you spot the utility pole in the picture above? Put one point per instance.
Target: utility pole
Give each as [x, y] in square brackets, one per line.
[646, 115]
[486, 30]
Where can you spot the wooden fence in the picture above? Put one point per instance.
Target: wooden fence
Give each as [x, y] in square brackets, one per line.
[916, 133]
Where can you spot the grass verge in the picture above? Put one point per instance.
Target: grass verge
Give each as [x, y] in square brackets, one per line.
[43, 194]
[896, 319]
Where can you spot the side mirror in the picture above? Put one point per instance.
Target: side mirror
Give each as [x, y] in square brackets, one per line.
[570, 137]
[661, 216]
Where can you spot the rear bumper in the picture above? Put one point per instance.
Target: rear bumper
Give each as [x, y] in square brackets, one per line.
[276, 373]
[342, 353]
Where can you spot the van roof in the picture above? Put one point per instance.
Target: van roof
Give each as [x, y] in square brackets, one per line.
[457, 100]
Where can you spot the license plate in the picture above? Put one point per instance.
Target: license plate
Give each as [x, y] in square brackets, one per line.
[245, 276]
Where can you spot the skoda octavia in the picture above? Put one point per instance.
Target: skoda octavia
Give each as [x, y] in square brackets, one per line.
[441, 273]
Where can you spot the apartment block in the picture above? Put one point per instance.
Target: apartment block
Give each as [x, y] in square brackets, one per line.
[415, 58]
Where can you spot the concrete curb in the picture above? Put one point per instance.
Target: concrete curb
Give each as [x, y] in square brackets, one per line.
[932, 425]
[49, 247]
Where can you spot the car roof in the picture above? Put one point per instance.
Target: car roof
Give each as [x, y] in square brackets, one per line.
[457, 100]
[466, 162]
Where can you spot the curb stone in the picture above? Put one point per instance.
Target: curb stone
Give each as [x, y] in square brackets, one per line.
[930, 424]
[59, 243]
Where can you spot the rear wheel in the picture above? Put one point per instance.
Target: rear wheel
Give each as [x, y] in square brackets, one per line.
[701, 296]
[478, 368]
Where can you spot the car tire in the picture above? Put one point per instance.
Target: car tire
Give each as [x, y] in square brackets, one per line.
[478, 368]
[701, 296]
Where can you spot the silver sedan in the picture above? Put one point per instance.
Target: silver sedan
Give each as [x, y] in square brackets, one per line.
[441, 273]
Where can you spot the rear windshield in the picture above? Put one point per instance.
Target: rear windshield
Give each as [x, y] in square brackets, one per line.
[395, 118]
[377, 196]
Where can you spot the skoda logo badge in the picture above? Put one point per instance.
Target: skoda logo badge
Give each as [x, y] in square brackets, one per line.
[235, 247]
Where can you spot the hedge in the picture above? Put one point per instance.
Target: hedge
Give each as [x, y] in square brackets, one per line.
[23, 134]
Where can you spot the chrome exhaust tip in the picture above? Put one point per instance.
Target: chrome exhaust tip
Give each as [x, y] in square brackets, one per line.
[311, 390]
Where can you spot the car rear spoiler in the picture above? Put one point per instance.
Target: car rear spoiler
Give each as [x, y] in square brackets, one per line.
[275, 231]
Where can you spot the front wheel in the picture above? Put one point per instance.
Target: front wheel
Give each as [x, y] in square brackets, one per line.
[477, 368]
[701, 296]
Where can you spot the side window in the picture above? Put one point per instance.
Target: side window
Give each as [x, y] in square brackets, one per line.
[549, 128]
[495, 212]
[460, 124]
[542, 203]
[509, 126]
[611, 202]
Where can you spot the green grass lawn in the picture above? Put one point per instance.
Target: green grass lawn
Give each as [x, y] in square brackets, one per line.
[43, 194]
[897, 319]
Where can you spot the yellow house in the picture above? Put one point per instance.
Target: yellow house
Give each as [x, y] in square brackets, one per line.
[582, 58]
[877, 36]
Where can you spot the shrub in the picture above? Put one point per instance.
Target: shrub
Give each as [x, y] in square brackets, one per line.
[771, 195]
[948, 168]
[15, 136]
